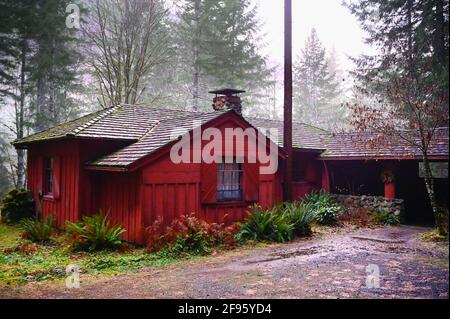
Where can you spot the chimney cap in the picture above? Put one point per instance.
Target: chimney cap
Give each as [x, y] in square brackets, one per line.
[227, 91]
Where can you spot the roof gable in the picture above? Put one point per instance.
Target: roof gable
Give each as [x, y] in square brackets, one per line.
[157, 137]
[161, 136]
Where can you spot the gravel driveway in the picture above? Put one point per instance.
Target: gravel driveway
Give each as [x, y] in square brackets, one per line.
[335, 266]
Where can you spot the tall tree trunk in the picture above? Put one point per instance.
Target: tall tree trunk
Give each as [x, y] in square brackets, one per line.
[196, 88]
[439, 34]
[196, 76]
[40, 101]
[429, 184]
[20, 120]
[52, 107]
[410, 35]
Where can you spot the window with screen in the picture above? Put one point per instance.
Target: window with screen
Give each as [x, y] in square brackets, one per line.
[48, 176]
[229, 182]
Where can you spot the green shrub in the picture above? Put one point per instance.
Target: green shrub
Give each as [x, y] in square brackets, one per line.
[301, 216]
[38, 230]
[313, 197]
[16, 205]
[326, 210]
[271, 225]
[386, 218]
[327, 215]
[94, 233]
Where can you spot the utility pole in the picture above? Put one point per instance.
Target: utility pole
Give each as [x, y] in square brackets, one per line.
[287, 127]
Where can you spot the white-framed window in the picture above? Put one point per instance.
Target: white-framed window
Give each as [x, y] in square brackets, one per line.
[229, 181]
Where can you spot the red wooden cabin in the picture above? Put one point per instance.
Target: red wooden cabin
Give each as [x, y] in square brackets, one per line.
[118, 160]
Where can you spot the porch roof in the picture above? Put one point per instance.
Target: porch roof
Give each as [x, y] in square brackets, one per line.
[367, 145]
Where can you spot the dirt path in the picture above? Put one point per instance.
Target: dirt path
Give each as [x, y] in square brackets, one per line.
[331, 267]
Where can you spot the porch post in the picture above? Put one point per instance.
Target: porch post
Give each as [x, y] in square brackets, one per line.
[389, 181]
[389, 190]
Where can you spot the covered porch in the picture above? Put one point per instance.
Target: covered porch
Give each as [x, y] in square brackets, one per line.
[400, 179]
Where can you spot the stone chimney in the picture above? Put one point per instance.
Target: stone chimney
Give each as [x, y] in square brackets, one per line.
[227, 99]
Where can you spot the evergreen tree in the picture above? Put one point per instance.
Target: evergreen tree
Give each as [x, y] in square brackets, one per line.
[220, 43]
[5, 181]
[8, 48]
[338, 112]
[194, 20]
[55, 66]
[35, 66]
[423, 28]
[16, 50]
[316, 87]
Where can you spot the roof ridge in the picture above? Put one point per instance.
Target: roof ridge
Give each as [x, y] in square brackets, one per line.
[151, 129]
[84, 126]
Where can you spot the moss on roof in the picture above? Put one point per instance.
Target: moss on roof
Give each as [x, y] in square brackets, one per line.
[62, 130]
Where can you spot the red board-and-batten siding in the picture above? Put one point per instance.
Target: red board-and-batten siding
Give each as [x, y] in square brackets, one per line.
[136, 198]
[168, 190]
[119, 196]
[74, 188]
[65, 205]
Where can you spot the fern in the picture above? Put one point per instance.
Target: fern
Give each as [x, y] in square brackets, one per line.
[326, 210]
[95, 233]
[301, 215]
[265, 226]
[38, 230]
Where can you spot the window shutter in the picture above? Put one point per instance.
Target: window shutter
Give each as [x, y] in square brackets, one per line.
[251, 182]
[56, 176]
[208, 185]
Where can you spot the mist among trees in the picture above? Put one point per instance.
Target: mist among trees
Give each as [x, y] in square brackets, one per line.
[171, 53]
[318, 89]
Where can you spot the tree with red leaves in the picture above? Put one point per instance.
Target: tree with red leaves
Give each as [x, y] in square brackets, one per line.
[407, 82]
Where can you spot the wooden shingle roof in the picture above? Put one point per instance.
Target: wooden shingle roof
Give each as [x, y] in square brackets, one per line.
[304, 136]
[121, 122]
[160, 134]
[149, 128]
[367, 145]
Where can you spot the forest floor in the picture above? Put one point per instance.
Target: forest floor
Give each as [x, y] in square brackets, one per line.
[388, 262]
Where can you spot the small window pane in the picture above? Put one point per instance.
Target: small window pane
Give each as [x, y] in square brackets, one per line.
[48, 176]
[229, 176]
